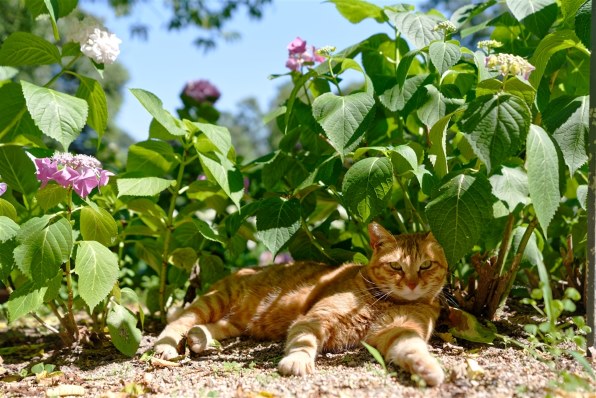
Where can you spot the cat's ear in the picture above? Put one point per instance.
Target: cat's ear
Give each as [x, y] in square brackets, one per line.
[379, 235]
[430, 236]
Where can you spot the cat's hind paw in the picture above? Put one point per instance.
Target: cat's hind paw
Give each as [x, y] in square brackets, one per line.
[430, 370]
[296, 364]
[166, 351]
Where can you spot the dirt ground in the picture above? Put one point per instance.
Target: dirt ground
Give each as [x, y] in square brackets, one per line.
[247, 368]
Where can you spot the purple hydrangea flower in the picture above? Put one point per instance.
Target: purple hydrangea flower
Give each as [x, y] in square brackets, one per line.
[82, 173]
[201, 91]
[299, 54]
[3, 188]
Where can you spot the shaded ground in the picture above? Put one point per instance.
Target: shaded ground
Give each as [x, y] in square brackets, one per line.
[247, 368]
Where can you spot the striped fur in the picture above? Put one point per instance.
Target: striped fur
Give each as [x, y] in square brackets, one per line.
[391, 303]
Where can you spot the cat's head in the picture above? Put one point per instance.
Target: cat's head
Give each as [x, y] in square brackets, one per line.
[407, 267]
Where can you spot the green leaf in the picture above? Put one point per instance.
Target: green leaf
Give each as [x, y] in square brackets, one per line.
[376, 355]
[444, 54]
[395, 98]
[154, 106]
[404, 159]
[50, 196]
[458, 213]
[7, 209]
[212, 269]
[583, 22]
[548, 46]
[356, 11]
[146, 186]
[495, 127]
[366, 187]
[511, 186]
[183, 257]
[277, 221]
[344, 118]
[98, 225]
[43, 252]
[416, 27]
[61, 7]
[8, 229]
[17, 169]
[582, 196]
[23, 48]
[219, 136]
[152, 158]
[542, 163]
[536, 15]
[227, 176]
[433, 108]
[438, 146]
[567, 120]
[57, 115]
[97, 268]
[13, 107]
[205, 230]
[25, 299]
[122, 325]
[465, 326]
[7, 73]
[91, 91]
[514, 85]
[532, 253]
[32, 226]
[7, 263]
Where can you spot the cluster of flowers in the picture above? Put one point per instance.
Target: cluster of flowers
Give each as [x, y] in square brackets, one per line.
[509, 64]
[201, 91]
[446, 26]
[487, 45]
[98, 44]
[299, 55]
[82, 173]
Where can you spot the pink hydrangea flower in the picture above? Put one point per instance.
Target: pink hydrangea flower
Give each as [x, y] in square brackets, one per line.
[201, 91]
[3, 188]
[299, 54]
[82, 173]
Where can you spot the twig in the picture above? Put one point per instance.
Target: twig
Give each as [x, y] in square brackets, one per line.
[44, 324]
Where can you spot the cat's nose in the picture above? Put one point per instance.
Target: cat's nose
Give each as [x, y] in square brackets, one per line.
[412, 284]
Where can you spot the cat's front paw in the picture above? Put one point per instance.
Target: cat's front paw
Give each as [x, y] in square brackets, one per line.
[296, 364]
[198, 339]
[165, 351]
[430, 370]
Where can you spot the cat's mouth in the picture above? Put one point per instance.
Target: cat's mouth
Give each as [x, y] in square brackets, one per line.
[408, 294]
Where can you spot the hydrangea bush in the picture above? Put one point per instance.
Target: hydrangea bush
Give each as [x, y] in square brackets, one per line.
[485, 146]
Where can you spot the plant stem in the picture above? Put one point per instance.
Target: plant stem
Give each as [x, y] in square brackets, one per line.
[163, 274]
[44, 324]
[71, 324]
[505, 242]
[313, 240]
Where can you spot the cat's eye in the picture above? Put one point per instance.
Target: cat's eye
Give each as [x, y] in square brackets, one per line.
[426, 265]
[395, 266]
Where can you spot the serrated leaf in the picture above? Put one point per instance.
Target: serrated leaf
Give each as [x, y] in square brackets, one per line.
[514, 85]
[8, 229]
[356, 11]
[212, 269]
[32, 226]
[145, 186]
[418, 28]
[122, 325]
[583, 22]
[511, 186]
[17, 169]
[567, 120]
[438, 146]
[404, 159]
[536, 15]
[42, 253]
[444, 55]
[61, 7]
[154, 106]
[58, 115]
[183, 257]
[7, 73]
[495, 126]
[91, 91]
[7, 209]
[582, 196]
[7, 263]
[344, 118]
[25, 299]
[458, 213]
[433, 108]
[548, 46]
[219, 136]
[51, 195]
[542, 163]
[152, 158]
[396, 97]
[24, 48]
[277, 221]
[13, 107]
[227, 176]
[366, 187]
[97, 268]
[98, 225]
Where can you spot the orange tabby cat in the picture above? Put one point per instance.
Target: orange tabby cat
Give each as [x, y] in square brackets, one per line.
[391, 303]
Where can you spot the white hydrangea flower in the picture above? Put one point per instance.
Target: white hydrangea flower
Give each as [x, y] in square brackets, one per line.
[509, 64]
[488, 44]
[96, 43]
[446, 27]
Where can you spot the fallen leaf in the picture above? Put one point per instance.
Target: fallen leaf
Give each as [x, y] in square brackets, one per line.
[473, 369]
[65, 390]
[465, 326]
[446, 337]
[163, 363]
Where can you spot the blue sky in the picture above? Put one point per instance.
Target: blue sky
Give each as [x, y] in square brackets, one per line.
[240, 69]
